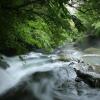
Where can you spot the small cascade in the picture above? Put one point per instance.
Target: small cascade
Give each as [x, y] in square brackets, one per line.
[37, 76]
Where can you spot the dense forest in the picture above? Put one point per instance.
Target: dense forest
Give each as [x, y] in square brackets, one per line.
[27, 25]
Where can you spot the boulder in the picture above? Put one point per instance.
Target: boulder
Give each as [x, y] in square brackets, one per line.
[3, 64]
[19, 92]
[88, 79]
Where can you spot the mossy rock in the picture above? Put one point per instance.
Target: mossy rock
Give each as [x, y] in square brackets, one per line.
[64, 58]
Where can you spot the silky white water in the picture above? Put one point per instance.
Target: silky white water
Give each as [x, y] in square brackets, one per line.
[47, 78]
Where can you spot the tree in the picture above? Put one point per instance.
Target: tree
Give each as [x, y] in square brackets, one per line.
[43, 23]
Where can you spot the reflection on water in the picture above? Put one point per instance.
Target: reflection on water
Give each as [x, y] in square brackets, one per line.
[43, 77]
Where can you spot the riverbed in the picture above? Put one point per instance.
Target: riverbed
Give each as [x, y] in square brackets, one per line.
[38, 76]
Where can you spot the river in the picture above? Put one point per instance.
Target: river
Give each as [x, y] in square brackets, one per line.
[38, 76]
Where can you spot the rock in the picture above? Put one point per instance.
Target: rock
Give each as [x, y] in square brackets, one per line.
[24, 89]
[88, 79]
[3, 64]
[78, 79]
[64, 57]
[1, 57]
[90, 68]
[18, 93]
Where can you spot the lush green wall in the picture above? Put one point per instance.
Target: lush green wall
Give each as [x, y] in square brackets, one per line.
[26, 25]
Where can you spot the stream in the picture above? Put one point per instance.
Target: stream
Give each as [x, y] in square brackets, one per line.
[38, 76]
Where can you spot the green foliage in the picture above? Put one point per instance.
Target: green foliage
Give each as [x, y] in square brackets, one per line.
[27, 24]
[90, 16]
[96, 26]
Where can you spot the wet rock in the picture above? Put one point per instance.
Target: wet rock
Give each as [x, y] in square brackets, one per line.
[90, 68]
[40, 75]
[88, 79]
[60, 57]
[64, 57]
[3, 64]
[78, 79]
[1, 57]
[21, 92]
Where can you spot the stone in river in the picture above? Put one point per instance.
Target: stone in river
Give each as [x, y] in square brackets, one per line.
[88, 79]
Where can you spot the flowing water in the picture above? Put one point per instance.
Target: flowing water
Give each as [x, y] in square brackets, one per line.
[37, 76]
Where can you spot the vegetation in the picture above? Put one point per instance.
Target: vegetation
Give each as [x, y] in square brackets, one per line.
[29, 24]
[90, 16]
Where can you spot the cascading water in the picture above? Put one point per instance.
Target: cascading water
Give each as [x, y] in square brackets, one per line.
[36, 76]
